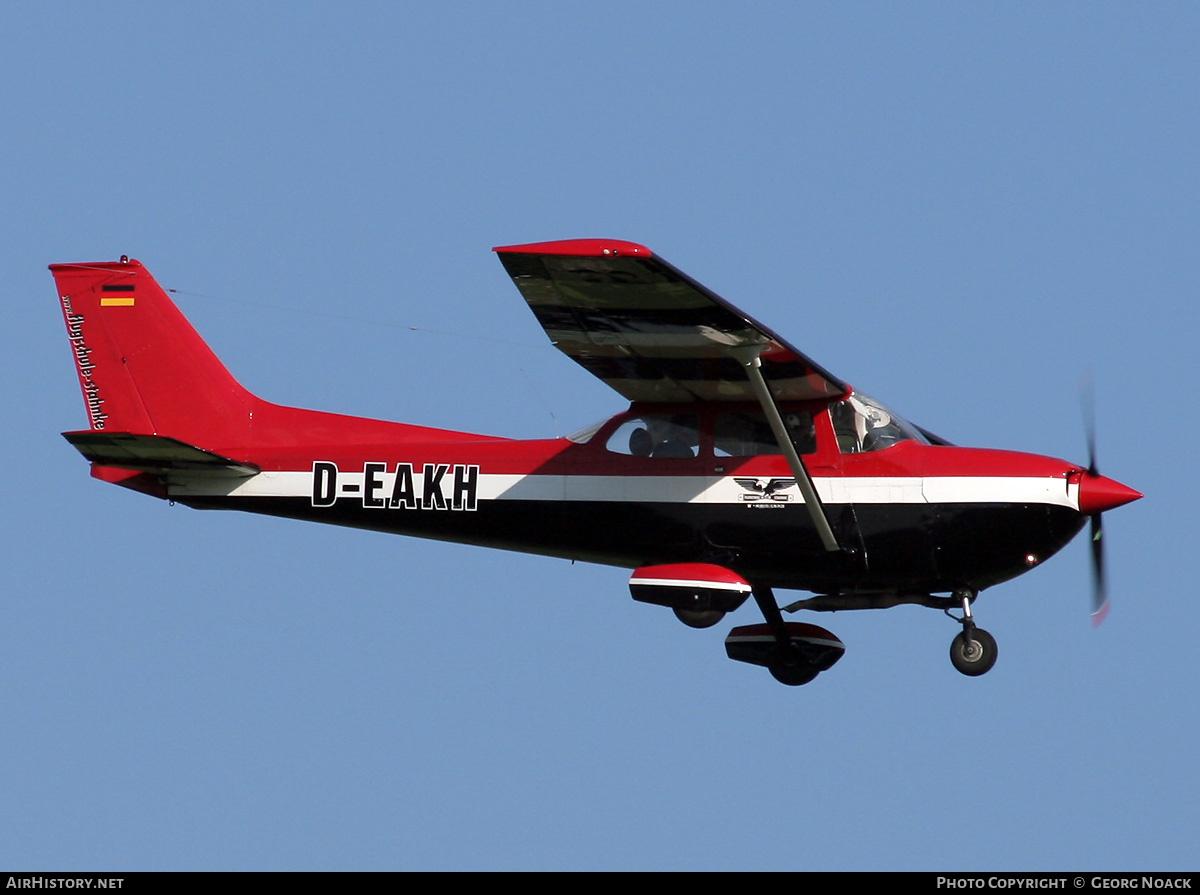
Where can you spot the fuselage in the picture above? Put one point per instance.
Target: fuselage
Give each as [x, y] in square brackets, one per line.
[911, 516]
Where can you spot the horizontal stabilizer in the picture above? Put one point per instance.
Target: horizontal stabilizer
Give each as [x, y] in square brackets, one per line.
[154, 454]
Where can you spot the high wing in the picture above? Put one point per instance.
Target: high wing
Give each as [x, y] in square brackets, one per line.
[649, 330]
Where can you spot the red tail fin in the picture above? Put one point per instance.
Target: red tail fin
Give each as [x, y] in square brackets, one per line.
[141, 365]
[145, 371]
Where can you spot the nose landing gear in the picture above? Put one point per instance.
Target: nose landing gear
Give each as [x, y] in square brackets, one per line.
[974, 651]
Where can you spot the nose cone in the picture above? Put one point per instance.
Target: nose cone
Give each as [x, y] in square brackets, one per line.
[1097, 494]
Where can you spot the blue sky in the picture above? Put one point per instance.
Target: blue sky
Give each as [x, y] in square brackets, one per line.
[960, 209]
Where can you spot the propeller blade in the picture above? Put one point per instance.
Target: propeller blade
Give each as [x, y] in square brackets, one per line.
[1099, 580]
[1087, 397]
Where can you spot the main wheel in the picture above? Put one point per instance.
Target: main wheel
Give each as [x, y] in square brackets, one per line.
[792, 675]
[699, 618]
[975, 655]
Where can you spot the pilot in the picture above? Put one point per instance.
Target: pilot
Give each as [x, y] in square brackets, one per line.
[803, 432]
[879, 432]
[672, 439]
[640, 443]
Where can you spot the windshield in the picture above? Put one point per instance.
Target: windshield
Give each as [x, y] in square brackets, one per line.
[863, 424]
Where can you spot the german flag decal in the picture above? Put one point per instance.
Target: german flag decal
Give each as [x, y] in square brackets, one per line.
[117, 301]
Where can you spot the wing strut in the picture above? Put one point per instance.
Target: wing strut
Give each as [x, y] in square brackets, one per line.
[749, 358]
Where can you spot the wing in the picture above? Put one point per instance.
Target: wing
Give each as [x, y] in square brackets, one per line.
[649, 330]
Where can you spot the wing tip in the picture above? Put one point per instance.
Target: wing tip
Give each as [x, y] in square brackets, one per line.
[587, 248]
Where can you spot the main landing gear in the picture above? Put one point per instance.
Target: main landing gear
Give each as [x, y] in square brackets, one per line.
[973, 652]
[793, 652]
[699, 618]
[701, 593]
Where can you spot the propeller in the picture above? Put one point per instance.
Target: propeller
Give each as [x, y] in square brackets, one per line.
[1099, 581]
[1099, 578]
[1098, 494]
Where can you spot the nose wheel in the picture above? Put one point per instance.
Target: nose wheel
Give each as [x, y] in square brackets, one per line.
[974, 651]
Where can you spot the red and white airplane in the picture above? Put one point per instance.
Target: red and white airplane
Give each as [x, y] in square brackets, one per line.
[741, 466]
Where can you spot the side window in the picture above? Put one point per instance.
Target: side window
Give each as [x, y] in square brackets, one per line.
[657, 435]
[750, 435]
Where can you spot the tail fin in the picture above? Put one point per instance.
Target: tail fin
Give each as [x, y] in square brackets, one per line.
[149, 378]
[142, 367]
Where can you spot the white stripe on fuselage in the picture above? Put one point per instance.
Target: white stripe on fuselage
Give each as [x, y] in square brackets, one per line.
[765, 490]
[691, 582]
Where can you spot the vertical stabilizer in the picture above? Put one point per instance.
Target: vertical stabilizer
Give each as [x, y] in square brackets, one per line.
[141, 365]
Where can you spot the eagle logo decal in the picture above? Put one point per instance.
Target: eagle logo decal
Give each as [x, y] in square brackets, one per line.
[766, 489]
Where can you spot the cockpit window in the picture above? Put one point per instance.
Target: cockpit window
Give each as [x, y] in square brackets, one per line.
[658, 435]
[862, 424]
[750, 435]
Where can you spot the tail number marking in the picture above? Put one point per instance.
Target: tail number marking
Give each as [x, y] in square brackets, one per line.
[434, 486]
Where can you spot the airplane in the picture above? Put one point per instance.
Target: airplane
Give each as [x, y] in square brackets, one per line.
[740, 466]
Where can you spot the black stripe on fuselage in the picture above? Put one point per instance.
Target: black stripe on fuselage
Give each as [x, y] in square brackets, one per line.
[894, 547]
